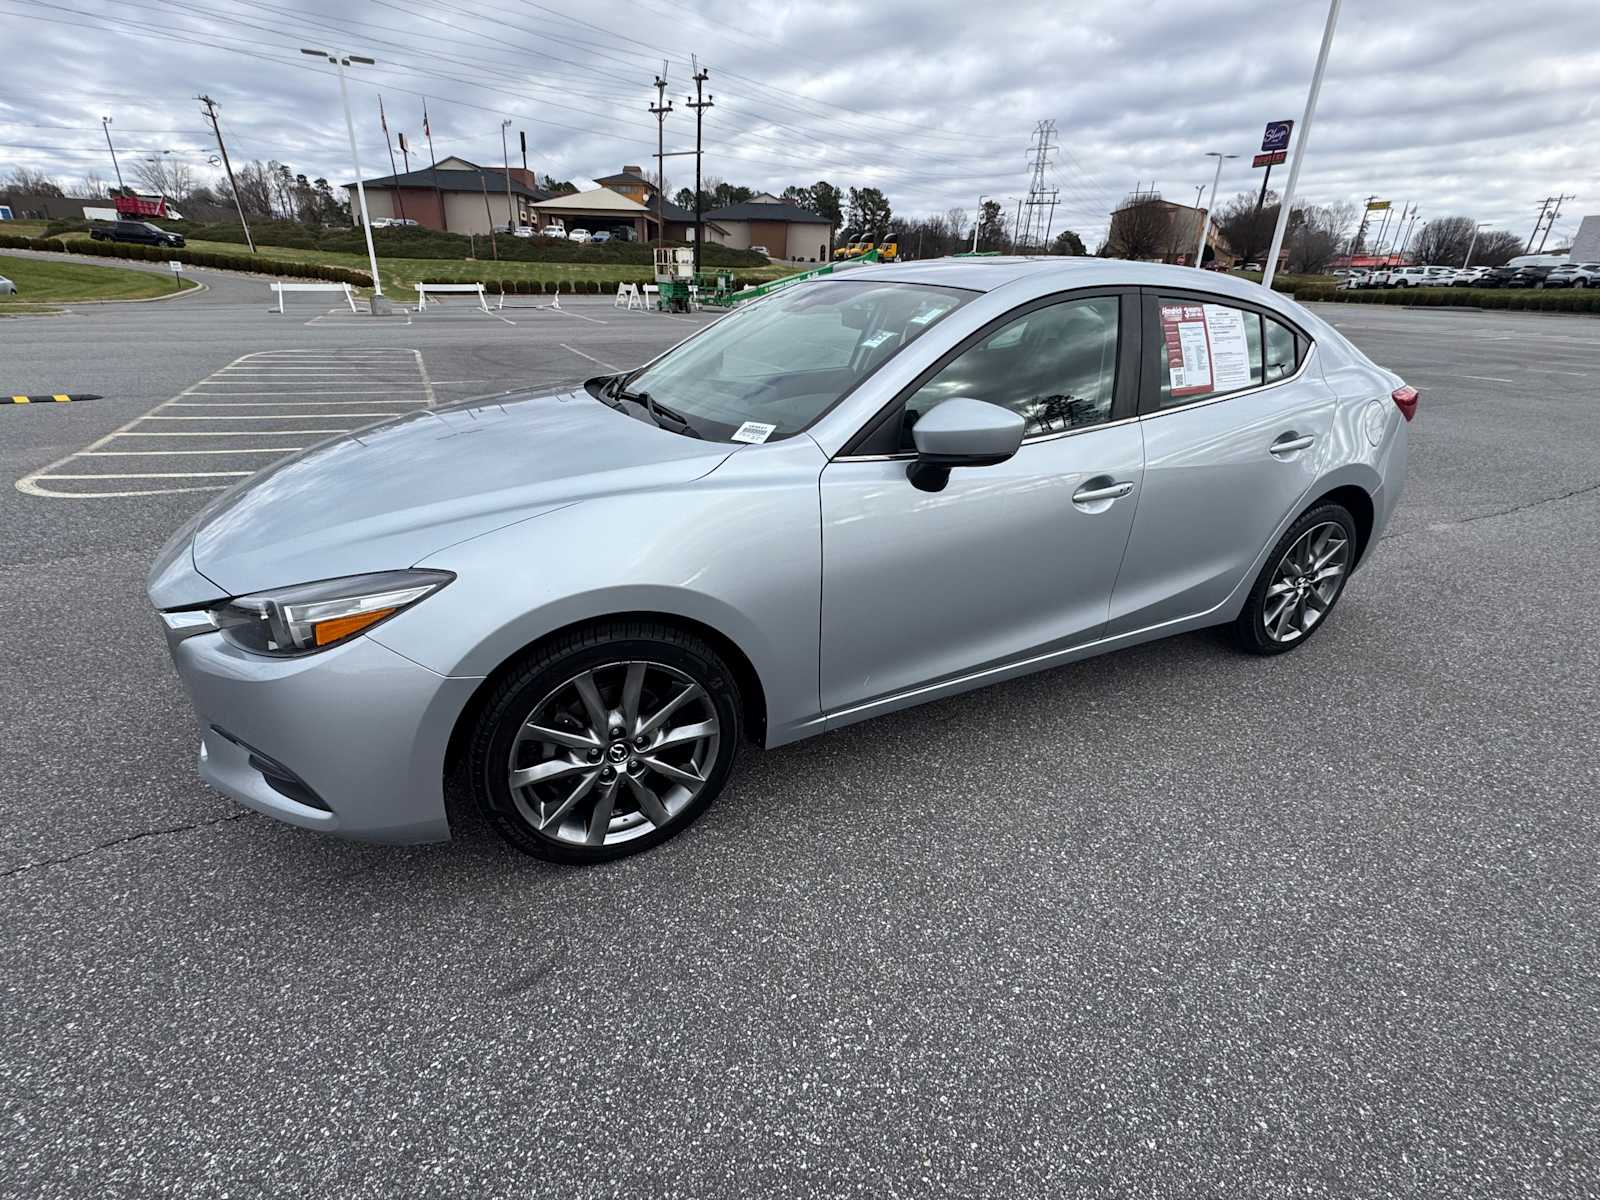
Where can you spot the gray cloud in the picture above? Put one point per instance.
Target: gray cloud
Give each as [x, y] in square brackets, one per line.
[1461, 106]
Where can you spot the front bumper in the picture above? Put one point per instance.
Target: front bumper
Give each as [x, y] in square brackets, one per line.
[350, 741]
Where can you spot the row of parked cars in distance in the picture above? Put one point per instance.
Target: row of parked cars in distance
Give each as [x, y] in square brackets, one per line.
[1526, 271]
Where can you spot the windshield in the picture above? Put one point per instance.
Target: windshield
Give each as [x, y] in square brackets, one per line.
[787, 359]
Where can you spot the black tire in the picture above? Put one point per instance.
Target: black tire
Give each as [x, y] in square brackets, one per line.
[543, 670]
[1250, 628]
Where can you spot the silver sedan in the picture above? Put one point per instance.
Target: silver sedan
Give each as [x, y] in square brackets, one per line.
[858, 494]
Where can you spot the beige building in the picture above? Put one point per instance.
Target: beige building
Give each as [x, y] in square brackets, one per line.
[785, 230]
[474, 198]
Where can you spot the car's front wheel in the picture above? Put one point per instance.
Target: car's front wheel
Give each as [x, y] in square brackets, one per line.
[1300, 582]
[605, 742]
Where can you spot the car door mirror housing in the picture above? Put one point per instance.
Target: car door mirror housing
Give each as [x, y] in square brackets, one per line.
[962, 432]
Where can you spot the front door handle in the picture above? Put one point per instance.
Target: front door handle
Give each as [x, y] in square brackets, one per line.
[1290, 442]
[1114, 491]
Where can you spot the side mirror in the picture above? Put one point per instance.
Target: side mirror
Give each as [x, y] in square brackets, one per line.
[962, 432]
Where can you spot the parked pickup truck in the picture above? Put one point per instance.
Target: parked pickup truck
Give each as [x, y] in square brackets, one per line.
[134, 231]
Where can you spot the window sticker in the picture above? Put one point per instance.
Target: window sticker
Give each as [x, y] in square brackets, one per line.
[1183, 329]
[1230, 350]
[922, 318]
[877, 339]
[754, 432]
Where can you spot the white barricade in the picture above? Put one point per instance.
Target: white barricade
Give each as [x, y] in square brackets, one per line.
[475, 289]
[628, 296]
[281, 288]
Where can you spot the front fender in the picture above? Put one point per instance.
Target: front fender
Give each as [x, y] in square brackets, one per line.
[738, 550]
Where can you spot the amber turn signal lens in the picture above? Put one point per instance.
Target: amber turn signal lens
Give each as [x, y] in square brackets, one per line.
[342, 627]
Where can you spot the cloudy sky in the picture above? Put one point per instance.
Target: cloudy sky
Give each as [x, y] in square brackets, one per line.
[1476, 107]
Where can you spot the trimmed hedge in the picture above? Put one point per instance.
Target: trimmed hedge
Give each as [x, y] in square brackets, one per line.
[1579, 300]
[194, 258]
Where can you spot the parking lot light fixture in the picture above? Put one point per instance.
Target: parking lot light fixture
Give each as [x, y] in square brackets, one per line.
[341, 61]
[1286, 204]
[1205, 216]
[977, 223]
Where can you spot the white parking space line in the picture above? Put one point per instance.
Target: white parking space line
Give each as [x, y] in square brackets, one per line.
[361, 386]
[590, 357]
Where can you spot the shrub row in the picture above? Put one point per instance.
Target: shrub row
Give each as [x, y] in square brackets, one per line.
[194, 258]
[416, 242]
[1529, 299]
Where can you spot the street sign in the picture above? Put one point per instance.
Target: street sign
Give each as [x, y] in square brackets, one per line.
[1376, 204]
[1269, 160]
[175, 267]
[1276, 137]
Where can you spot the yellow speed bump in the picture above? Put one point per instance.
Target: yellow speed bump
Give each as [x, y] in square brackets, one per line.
[55, 398]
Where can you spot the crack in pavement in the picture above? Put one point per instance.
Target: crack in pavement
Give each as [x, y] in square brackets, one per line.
[1488, 516]
[121, 841]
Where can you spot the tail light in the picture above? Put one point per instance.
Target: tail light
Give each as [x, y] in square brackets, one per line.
[1405, 399]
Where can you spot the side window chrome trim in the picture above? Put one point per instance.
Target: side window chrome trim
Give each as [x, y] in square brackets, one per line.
[909, 455]
[1305, 361]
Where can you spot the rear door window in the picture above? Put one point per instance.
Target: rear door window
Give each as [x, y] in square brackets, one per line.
[1205, 350]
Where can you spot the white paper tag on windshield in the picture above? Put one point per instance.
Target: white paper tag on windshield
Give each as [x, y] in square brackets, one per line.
[877, 339]
[754, 431]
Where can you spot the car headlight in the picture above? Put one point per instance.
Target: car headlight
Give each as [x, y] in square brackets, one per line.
[314, 616]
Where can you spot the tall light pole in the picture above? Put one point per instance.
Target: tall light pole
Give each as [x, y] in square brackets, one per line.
[341, 61]
[977, 223]
[1474, 241]
[105, 123]
[1016, 224]
[1300, 144]
[512, 221]
[1205, 215]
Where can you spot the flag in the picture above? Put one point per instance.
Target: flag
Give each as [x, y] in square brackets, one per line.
[404, 149]
[426, 132]
[382, 120]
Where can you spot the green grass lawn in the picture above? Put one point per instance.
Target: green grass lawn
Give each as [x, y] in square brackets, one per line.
[50, 281]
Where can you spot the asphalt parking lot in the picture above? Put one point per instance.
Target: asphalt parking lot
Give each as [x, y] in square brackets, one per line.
[1169, 922]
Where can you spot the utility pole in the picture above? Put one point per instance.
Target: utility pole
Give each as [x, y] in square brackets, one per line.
[216, 128]
[1360, 238]
[659, 110]
[1286, 204]
[512, 220]
[433, 167]
[105, 123]
[1205, 215]
[1480, 225]
[1538, 221]
[699, 104]
[1550, 224]
[340, 62]
[399, 196]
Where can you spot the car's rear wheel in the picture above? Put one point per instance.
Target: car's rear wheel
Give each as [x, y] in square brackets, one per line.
[605, 742]
[1302, 580]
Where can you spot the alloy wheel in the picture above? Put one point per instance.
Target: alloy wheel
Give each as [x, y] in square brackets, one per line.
[1306, 582]
[614, 753]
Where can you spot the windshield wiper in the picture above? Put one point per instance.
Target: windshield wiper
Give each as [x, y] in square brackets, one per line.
[656, 409]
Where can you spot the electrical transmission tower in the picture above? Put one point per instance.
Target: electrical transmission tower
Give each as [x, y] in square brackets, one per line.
[1041, 201]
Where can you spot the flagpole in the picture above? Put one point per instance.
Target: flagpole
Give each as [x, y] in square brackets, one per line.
[399, 198]
[427, 132]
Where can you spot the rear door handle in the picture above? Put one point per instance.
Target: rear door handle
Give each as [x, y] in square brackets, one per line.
[1114, 491]
[1290, 442]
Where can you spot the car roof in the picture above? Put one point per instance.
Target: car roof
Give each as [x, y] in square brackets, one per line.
[985, 274]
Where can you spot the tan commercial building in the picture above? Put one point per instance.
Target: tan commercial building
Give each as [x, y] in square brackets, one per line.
[785, 230]
[474, 198]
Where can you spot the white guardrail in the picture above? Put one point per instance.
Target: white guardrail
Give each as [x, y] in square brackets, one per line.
[475, 289]
[281, 288]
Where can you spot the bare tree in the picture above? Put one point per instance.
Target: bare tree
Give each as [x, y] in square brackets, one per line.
[1495, 248]
[1444, 241]
[1248, 232]
[33, 183]
[1317, 233]
[255, 189]
[93, 186]
[956, 219]
[1139, 229]
[165, 177]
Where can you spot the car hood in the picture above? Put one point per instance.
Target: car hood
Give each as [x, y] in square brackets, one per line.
[392, 494]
